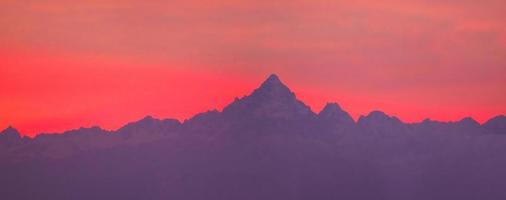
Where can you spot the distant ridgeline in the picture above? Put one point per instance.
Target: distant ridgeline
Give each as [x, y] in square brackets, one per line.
[268, 145]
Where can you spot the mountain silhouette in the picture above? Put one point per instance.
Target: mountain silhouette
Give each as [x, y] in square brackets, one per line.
[496, 124]
[272, 100]
[148, 127]
[266, 145]
[333, 112]
[10, 133]
[10, 136]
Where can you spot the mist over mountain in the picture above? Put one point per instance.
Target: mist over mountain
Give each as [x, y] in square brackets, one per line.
[267, 145]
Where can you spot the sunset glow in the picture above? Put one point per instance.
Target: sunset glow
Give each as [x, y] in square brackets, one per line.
[66, 64]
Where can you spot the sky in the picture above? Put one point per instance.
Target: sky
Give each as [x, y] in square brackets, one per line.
[66, 64]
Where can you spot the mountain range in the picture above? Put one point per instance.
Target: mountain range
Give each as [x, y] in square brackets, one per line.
[267, 145]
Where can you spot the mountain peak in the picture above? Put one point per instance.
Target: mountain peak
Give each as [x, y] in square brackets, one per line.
[378, 117]
[469, 121]
[331, 107]
[147, 118]
[273, 85]
[497, 124]
[272, 99]
[334, 112]
[10, 132]
[377, 114]
[273, 78]
[149, 126]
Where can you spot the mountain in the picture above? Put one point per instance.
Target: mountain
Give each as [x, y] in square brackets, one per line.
[334, 121]
[9, 136]
[496, 124]
[379, 122]
[333, 113]
[10, 133]
[272, 100]
[149, 127]
[266, 145]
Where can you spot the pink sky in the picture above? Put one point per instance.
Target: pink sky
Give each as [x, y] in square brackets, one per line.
[66, 64]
